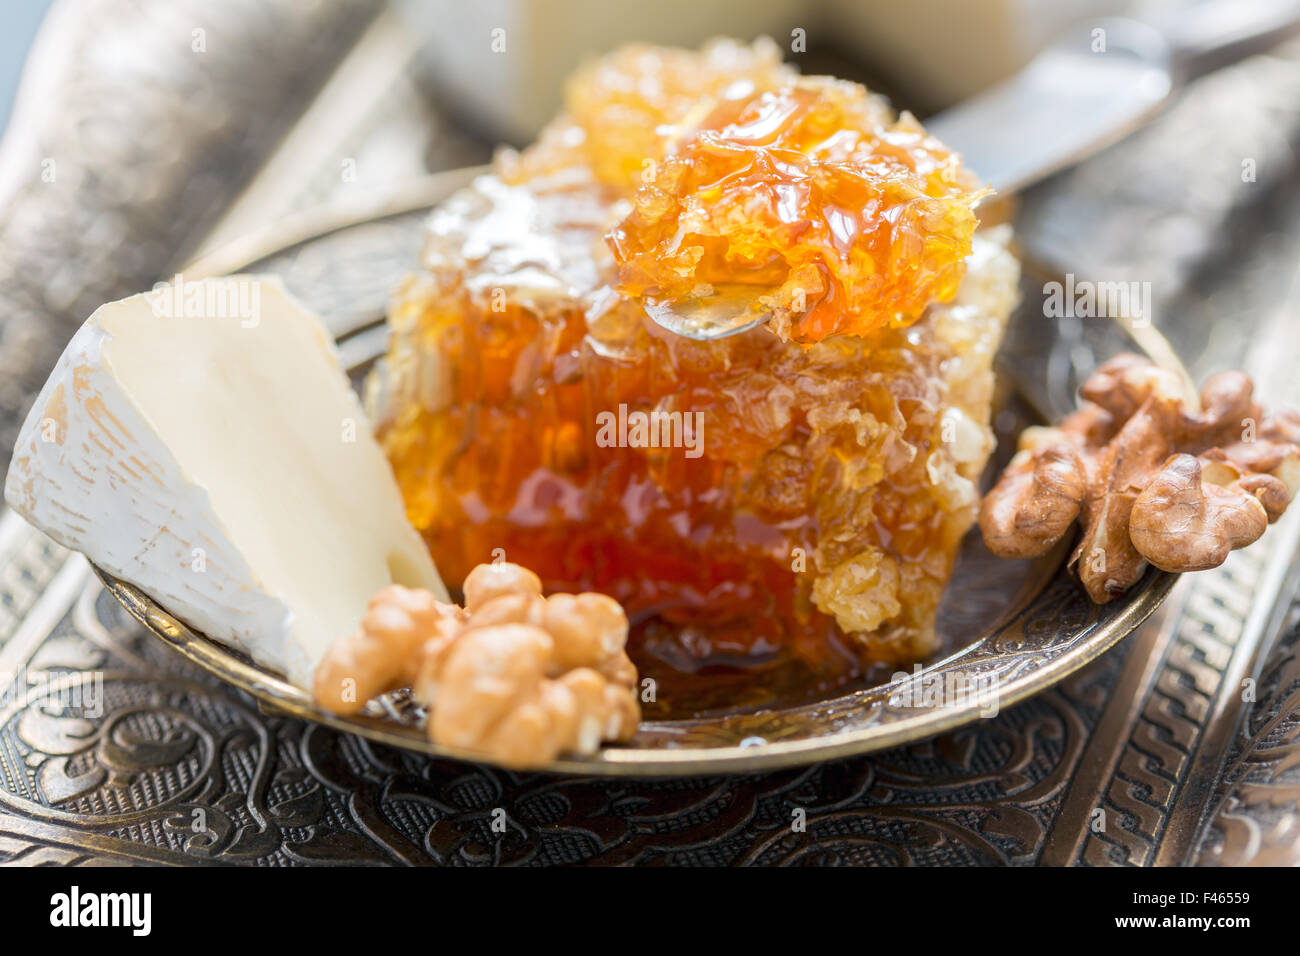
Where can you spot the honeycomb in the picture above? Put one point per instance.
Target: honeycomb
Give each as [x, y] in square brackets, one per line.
[768, 503]
[624, 111]
[811, 203]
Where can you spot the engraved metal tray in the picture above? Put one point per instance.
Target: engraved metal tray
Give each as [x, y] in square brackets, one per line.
[1017, 627]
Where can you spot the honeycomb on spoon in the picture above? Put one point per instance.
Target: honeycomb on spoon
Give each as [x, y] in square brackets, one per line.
[793, 506]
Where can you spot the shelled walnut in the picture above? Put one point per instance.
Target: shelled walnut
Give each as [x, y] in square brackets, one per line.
[516, 676]
[1148, 477]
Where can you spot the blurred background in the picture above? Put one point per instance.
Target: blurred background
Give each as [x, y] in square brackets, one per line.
[941, 50]
[18, 25]
[139, 134]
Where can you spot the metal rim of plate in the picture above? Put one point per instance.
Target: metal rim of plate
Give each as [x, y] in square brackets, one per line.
[1044, 636]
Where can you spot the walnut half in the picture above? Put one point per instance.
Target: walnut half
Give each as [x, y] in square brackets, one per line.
[1150, 479]
[516, 676]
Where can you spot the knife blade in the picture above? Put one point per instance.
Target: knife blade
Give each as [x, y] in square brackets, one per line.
[1098, 83]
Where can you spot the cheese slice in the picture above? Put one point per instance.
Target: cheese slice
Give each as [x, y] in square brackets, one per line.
[203, 443]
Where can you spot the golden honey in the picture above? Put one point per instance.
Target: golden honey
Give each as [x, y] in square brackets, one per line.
[789, 499]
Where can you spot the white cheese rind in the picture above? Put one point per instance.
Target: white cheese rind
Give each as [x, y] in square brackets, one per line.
[277, 572]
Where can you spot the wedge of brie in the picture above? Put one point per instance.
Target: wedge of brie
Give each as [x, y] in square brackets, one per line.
[202, 442]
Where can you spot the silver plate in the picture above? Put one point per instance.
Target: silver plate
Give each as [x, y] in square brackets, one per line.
[1018, 627]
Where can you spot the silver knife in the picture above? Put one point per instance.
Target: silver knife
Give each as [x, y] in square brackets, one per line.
[1098, 83]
